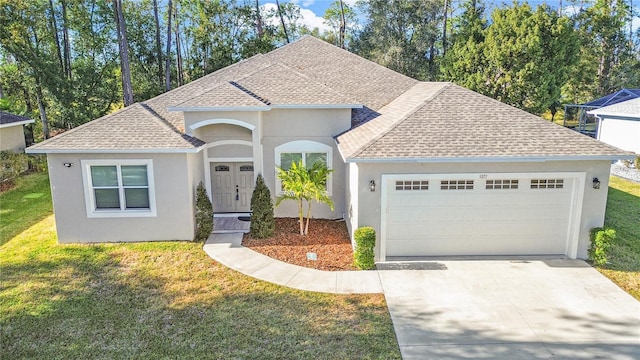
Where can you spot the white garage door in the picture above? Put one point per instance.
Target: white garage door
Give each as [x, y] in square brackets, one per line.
[477, 214]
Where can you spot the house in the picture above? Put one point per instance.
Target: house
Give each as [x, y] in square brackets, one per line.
[587, 123]
[619, 124]
[435, 168]
[12, 131]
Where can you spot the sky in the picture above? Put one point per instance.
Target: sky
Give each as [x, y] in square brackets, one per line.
[313, 10]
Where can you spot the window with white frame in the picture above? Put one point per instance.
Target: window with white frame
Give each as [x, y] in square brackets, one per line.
[119, 188]
[309, 152]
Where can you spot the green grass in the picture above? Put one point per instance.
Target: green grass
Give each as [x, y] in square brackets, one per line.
[25, 205]
[165, 300]
[623, 214]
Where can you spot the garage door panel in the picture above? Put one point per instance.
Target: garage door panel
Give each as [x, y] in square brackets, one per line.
[479, 221]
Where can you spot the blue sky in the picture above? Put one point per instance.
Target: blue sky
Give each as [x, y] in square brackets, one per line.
[312, 10]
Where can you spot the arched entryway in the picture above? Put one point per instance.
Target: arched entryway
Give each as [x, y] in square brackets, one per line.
[230, 165]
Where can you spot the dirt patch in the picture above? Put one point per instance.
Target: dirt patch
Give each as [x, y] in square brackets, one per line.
[7, 185]
[328, 239]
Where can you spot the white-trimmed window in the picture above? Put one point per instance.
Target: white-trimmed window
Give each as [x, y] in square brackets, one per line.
[309, 152]
[119, 188]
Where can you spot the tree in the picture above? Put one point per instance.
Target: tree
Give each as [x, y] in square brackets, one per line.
[606, 56]
[464, 63]
[341, 18]
[522, 58]
[204, 214]
[304, 184]
[262, 223]
[402, 35]
[284, 27]
[123, 46]
[167, 77]
[156, 19]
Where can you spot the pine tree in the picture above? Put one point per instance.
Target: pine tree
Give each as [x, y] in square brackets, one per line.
[204, 214]
[262, 224]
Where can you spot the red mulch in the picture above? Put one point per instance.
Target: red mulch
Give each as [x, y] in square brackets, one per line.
[329, 239]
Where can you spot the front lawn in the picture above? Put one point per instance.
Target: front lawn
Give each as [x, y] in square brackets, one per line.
[623, 214]
[166, 300]
[24, 205]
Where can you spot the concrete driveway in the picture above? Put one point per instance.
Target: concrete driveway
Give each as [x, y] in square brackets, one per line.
[502, 309]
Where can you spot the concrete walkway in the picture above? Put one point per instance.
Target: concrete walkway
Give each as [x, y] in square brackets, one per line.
[227, 249]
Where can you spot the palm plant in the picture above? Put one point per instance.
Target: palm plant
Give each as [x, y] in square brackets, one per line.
[304, 184]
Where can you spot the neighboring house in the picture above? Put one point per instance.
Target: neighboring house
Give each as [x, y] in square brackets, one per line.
[435, 168]
[12, 131]
[619, 124]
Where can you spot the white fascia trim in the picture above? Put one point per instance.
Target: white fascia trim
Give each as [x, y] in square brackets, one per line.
[114, 151]
[619, 116]
[219, 108]
[25, 122]
[495, 159]
[317, 106]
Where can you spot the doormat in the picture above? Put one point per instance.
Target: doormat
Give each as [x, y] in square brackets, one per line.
[244, 218]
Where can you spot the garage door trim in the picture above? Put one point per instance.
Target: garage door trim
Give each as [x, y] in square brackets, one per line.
[577, 194]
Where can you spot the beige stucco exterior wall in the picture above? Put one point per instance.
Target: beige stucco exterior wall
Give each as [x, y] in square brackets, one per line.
[280, 126]
[593, 205]
[12, 138]
[268, 129]
[175, 177]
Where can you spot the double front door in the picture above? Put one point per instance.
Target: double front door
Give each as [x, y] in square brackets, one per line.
[231, 186]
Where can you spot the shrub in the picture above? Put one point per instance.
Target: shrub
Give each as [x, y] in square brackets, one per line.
[601, 240]
[262, 224]
[637, 162]
[204, 214]
[365, 238]
[12, 164]
[38, 163]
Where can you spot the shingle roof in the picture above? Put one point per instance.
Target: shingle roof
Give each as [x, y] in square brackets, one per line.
[279, 85]
[134, 128]
[388, 116]
[225, 95]
[7, 119]
[370, 84]
[456, 123]
[403, 118]
[629, 108]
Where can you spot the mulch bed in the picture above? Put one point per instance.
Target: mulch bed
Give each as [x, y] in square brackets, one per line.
[329, 239]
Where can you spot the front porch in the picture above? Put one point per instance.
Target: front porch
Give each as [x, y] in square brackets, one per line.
[231, 223]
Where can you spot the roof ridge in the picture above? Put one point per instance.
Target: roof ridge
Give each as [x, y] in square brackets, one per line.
[249, 92]
[421, 104]
[276, 64]
[339, 49]
[207, 77]
[216, 87]
[312, 79]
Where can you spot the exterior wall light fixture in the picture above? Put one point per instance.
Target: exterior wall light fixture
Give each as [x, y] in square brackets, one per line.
[596, 183]
[372, 185]
[67, 164]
